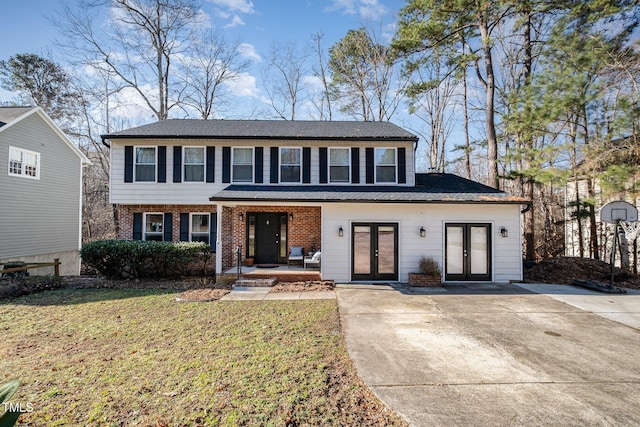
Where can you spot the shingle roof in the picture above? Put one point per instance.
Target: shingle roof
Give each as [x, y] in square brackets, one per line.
[9, 114]
[266, 129]
[429, 188]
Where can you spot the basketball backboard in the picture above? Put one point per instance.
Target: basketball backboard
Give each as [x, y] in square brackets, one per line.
[620, 210]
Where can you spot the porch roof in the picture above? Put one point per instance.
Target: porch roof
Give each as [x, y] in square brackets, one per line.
[429, 188]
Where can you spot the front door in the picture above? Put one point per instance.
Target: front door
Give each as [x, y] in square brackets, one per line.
[468, 252]
[374, 251]
[267, 237]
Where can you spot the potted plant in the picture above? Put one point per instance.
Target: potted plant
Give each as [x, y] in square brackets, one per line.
[248, 262]
[429, 273]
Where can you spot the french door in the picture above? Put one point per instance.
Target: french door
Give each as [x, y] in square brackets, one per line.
[374, 251]
[468, 252]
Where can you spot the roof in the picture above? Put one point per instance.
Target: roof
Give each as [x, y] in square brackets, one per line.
[429, 188]
[10, 116]
[267, 129]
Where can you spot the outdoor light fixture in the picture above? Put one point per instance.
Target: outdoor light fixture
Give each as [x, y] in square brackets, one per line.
[423, 232]
[504, 232]
[241, 216]
[291, 216]
[340, 232]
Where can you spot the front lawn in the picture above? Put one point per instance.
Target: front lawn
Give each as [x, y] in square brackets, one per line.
[136, 357]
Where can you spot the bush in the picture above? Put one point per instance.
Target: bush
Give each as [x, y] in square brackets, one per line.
[121, 259]
[429, 267]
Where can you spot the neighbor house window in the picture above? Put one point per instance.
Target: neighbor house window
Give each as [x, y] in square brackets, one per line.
[24, 163]
[339, 165]
[290, 160]
[199, 228]
[153, 226]
[242, 164]
[145, 164]
[194, 164]
[386, 165]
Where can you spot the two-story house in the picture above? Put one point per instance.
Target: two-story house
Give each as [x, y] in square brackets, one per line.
[347, 188]
[40, 191]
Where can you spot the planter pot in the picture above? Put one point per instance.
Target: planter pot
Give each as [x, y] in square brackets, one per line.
[248, 262]
[417, 279]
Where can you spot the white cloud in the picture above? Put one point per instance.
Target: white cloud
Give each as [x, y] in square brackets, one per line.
[243, 84]
[249, 51]
[236, 21]
[367, 9]
[242, 6]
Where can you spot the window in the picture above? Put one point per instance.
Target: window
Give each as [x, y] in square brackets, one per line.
[386, 165]
[199, 228]
[153, 226]
[242, 164]
[24, 163]
[145, 164]
[339, 165]
[194, 164]
[290, 160]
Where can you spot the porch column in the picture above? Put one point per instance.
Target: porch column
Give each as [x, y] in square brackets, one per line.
[219, 240]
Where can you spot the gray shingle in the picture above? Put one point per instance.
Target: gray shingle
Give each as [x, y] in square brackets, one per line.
[9, 114]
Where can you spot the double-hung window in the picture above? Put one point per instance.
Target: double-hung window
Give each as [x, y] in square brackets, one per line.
[242, 161]
[290, 161]
[194, 164]
[24, 163]
[199, 230]
[385, 165]
[145, 164]
[153, 226]
[339, 161]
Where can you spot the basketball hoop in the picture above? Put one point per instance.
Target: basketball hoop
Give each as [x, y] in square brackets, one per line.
[625, 214]
[630, 229]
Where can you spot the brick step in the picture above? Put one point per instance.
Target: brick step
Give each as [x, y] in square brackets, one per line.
[255, 283]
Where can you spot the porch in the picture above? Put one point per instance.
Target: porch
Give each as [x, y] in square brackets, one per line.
[282, 273]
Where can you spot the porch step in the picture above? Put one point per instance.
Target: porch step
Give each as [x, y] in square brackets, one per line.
[254, 283]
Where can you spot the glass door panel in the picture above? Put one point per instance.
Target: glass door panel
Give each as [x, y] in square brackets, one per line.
[362, 249]
[479, 250]
[386, 250]
[455, 250]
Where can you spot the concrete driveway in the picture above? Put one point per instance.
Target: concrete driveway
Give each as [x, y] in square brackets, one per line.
[497, 354]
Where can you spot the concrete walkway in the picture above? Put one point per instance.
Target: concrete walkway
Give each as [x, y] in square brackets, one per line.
[497, 355]
[264, 294]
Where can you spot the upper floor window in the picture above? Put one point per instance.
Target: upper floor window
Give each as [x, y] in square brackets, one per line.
[24, 163]
[385, 165]
[153, 226]
[242, 161]
[194, 164]
[199, 229]
[339, 161]
[145, 164]
[290, 161]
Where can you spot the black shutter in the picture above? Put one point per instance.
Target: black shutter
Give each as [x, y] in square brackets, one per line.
[184, 227]
[226, 164]
[322, 154]
[306, 165]
[177, 164]
[355, 165]
[211, 161]
[162, 163]
[137, 226]
[370, 165]
[402, 165]
[274, 165]
[168, 227]
[128, 163]
[259, 172]
[213, 231]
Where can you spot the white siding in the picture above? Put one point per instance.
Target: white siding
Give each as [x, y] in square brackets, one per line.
[39, 216]
[336, 253]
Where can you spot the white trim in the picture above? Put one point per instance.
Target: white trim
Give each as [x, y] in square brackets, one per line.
[375, 165]
[155, 164]
[219, 239]
[184, 164]
[350, 166]
[280, 164]
[253, 163]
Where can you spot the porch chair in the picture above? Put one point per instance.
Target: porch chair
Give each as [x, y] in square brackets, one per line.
[313, 261]
[296, 255]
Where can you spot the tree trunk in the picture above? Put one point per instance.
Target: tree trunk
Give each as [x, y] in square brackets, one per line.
[492, 140]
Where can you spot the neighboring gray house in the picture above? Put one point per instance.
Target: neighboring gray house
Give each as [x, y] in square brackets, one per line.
[347, 188]
[40, 191]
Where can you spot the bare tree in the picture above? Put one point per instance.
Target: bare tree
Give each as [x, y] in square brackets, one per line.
[320, 70]
[142, 40]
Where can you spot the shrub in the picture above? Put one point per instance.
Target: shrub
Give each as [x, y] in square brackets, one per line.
[429, 267]
[120, 259]
[7, 390]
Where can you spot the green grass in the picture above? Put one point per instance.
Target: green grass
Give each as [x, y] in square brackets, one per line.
[136, 357]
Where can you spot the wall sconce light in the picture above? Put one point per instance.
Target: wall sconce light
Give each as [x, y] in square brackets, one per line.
[504, 232]
[340, 232]
[241, 216]
[423, 232]
[291, 216]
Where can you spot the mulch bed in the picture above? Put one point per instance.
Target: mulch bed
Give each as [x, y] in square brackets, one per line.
[309, 286]
[564, 270]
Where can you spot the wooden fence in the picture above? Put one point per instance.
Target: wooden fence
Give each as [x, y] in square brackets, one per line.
[29, 265]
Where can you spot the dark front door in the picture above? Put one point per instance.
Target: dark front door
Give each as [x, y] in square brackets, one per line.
[468, 252]
[374, 251]
[270, 237]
